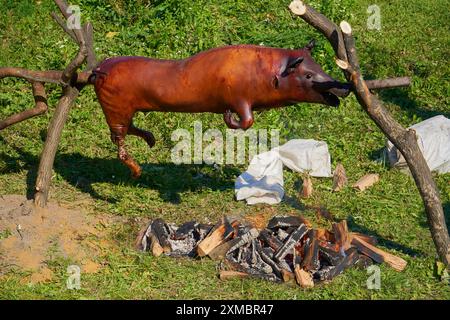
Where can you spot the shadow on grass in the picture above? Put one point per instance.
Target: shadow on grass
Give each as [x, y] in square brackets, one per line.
[353, 226]
[167, 178]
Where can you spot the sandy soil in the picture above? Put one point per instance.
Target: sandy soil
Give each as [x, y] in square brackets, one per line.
[30, 236]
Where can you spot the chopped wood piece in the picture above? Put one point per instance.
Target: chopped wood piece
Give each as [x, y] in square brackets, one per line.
[285, 222]
[160, 231]
[141, 239]
[221, 251]
[379, 255]
[366, 181]
[369, 239]
[270, 240]
[227, 275]
[296, 236]
[155, 247]
[252, 272]
[307, 187]
[221, 233]
[311, 258]
[341, 235]
[287, 275]
[304, 278]
[324, 235]
[339, 178]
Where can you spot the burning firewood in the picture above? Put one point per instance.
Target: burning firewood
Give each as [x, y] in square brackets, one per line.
[366, 181]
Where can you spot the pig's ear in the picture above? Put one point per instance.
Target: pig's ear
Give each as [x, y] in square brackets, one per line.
[291, 65]
[311, 44]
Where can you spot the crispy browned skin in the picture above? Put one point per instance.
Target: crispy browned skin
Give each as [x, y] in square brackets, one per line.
[227, 80]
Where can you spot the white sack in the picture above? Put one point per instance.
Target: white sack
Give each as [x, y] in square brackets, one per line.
[263, 180]
[433, 137]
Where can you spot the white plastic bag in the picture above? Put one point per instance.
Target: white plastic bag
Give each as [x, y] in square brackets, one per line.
[263, 180]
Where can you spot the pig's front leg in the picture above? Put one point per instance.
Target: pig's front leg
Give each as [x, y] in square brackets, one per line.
[245, 118]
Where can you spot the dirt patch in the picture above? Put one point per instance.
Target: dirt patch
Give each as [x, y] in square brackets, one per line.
[31, 236]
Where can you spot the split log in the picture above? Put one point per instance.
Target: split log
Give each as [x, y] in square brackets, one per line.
[311, 253]
[296, 236]
[366, 181]
[339, 178]
[325, 235]
[341, 234]
[155, 248]
[287, 275]
[307, 188]
[379, 255]
[268, 239]
[158, 228]
[218, 235]
[222, 250]
[227, 275]
[304, 278]
[369, 239]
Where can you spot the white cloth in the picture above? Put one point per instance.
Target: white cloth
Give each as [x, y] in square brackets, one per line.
[433, 137]
[263, 180]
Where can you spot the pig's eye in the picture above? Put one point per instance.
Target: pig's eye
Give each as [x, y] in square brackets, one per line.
[309, 76]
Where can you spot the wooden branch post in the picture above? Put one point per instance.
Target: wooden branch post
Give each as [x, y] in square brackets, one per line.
[405, 140]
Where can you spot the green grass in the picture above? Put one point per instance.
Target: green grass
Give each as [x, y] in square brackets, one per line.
[414, 41]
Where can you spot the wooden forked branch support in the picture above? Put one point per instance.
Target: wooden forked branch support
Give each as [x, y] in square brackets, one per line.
[71, 83]
[405, 140]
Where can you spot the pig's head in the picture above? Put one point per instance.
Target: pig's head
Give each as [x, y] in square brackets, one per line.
[305, 81]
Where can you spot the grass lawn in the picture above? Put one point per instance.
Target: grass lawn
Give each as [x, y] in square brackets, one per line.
[414, 41]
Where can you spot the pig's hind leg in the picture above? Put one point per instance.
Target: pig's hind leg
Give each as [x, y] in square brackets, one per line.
[118, 133]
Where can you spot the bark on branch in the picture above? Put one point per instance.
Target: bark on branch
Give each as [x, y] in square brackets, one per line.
[405, 140]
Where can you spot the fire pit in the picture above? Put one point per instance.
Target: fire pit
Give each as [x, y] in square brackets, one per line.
[288, 248]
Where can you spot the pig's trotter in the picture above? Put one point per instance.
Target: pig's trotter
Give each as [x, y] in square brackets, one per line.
[230, 121]
[245, 118]
[118, 137]
[146, 135]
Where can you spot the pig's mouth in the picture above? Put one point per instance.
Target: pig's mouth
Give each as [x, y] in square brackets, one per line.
[330, 99]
